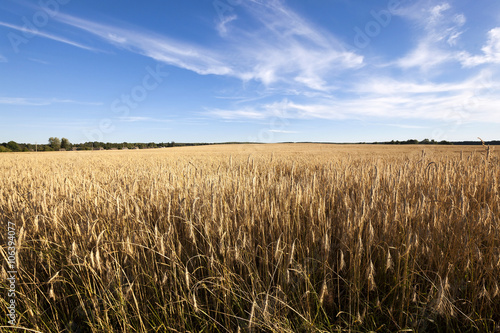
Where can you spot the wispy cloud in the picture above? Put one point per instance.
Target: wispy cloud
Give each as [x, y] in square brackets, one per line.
[26, 101]
[135, 119]
[71, 101]
[48, 36]
[221, 25]
[491, 51]
[406, 126]
[3, 59]
[385, 85]
[380, 93]
[245, 113]
[289, 49]
[153, 45]
[282, 48]
[282, 131]
[474, 99]
[440, 31]
[43, 62]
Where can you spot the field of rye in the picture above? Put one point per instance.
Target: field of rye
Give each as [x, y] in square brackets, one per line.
[254, 238]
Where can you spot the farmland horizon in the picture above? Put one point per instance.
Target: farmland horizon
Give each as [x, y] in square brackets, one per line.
[54, 143]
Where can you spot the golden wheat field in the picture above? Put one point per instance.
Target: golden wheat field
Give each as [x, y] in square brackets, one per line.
[254, 238]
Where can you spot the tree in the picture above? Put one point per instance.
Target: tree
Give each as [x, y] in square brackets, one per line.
[55, 143]
[65, 144]
[13, 146]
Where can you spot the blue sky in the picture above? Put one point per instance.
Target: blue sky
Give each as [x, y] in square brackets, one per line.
[249, 70]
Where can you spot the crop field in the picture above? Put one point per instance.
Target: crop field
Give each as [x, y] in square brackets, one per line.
[253, 238]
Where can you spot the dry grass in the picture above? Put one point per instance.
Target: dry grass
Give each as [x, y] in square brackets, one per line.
[281, 238]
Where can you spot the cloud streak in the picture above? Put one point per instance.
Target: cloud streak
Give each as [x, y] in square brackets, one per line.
[282, 131]
[26, 101]
[153, 45]
[382, 95]
[491, 51]
[289, 49]
[441, 31]
[473, 100]
[134, 119]
[282, 48]
[48, 36]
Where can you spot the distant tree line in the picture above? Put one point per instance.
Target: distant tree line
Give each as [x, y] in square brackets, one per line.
[96, 145]
[56, 144]
[443, 142]
[416, 142]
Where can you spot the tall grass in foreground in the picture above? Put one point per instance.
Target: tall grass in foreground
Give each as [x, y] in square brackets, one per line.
[135, 242]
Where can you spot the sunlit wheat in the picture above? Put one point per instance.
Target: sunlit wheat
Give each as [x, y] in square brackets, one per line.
[263, 238]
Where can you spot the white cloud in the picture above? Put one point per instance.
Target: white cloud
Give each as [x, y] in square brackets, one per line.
[160, 48]
[40, 61]
[441, 31]
[436, 13]
[3, 59]
[221, 25]
[390, 86]
[290, 49]
[407, 126]
[474, 99]
[245, 113]
[491, 51]
[26, 101]
[116, 38]
[133, 119]
[23, 101]
[282, 48]
[48, 36]
[454, 33]
[424, 56]
[282, 131]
